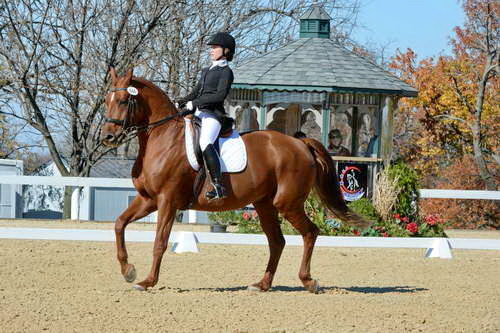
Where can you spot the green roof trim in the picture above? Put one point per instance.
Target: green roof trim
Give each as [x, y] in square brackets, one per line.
[404, 93]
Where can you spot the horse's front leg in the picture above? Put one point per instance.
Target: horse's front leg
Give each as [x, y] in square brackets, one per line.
[166, 215]
[137, 209]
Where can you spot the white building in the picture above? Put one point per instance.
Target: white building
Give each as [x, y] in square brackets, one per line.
[11, 195]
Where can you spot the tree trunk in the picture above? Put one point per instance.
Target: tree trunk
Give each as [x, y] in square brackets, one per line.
[481, 163]
[68, 191]
[476, 130]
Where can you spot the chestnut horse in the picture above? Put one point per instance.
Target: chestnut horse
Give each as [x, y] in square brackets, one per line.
[280, 173]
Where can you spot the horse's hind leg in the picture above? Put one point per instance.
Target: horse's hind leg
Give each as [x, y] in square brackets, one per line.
[309, 232]
[268, 215]
[137, 209]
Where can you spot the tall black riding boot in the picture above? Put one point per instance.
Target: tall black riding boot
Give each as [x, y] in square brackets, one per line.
[213, 165]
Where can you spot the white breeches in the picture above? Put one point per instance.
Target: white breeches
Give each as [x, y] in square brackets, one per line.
[210, 128]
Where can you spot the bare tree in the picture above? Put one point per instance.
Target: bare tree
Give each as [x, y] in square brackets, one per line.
[55, 56]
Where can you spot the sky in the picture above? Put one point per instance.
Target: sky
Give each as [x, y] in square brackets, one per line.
[422, 25]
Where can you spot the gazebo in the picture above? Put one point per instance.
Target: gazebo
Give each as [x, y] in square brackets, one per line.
[316, 86]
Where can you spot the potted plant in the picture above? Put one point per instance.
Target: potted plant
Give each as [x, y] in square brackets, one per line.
[220, 220]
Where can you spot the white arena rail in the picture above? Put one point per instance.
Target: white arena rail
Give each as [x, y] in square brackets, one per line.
[88, 182]
[67, 181]
[460, 194]
[127, 183]
[186, 241]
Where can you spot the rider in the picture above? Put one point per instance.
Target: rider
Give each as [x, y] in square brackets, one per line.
[207, 100]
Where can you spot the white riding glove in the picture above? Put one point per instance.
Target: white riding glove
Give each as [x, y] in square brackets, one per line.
[189, 106]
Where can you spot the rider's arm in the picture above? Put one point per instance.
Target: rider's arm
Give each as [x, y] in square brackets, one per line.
[192, 95]
[223, 87]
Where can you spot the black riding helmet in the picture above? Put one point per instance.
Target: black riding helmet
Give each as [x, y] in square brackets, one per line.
[226, 41]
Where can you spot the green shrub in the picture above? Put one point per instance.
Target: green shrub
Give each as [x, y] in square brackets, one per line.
[408, 183]
[364, 207]
[227, 217]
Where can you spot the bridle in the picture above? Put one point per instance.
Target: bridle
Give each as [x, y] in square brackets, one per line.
[131, 110]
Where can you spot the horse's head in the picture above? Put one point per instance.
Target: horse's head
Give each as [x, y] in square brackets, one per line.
[121, 108]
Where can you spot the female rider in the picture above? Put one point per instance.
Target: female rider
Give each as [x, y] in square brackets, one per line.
[207, 102]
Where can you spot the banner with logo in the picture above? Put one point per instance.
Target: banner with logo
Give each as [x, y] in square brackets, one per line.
[353, 180]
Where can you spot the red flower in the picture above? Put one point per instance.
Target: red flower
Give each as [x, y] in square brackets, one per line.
[254, 214]
[246, 216]
[431, 219]
[405, 219]
[397, 216]
[385, 234]
[412, 227]
[357, 233]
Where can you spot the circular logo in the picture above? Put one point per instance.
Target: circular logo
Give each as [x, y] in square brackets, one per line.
[350, 183]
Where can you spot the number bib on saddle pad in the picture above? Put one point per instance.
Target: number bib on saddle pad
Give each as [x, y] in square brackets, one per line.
[233, 154]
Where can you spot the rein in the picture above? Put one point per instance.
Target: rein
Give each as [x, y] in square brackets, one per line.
[131, 109]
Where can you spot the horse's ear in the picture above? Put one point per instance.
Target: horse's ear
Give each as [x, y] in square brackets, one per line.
[112, 71]
[129, 75]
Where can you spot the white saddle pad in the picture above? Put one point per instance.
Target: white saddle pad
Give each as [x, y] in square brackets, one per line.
[233, 154]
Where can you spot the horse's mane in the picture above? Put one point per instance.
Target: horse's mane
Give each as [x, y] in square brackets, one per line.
[137, 81]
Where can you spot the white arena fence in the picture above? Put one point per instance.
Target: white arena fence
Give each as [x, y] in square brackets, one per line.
[127, 183]
[184, 241]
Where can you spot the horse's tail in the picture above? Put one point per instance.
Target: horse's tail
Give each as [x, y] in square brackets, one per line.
[328, 187]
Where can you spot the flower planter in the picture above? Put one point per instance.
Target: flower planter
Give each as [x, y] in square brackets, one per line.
[218, 228]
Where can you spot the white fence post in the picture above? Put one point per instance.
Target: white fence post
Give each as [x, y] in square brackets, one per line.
[192, 216]
[75, 203]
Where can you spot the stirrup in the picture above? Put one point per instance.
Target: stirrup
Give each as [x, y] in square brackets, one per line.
[218, 192]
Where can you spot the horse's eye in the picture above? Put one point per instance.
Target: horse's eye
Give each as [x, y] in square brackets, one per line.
[123, 102]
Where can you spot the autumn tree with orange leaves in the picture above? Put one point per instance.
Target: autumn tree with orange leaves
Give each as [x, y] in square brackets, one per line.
[453, 126]
[458, 101]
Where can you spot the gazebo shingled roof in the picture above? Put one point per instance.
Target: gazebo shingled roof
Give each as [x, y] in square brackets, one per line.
[317, 64]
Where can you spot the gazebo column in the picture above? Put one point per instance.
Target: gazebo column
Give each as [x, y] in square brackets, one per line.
[326, 124]
[262, 116]
[386, 143]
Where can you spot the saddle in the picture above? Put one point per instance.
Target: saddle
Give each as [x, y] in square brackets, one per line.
[226, 131]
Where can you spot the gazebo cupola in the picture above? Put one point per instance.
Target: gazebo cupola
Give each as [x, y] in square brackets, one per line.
[315, 22]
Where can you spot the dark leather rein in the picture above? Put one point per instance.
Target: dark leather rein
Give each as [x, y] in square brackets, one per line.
[132, 109]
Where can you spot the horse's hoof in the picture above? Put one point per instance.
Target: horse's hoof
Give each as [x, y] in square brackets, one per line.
[131, 274]
[138, 287]
[253, 288]
[256, 287]
[315, 287]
